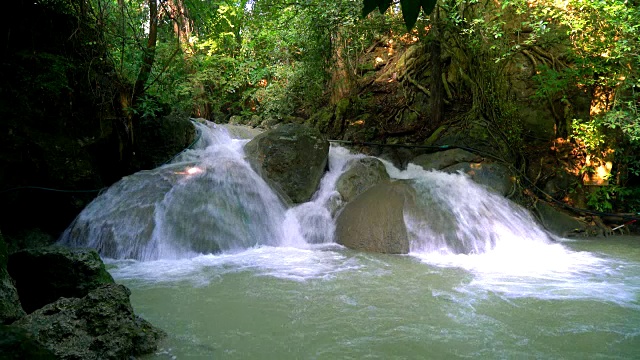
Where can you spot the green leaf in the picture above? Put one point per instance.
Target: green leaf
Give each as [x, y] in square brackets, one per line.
[410, 12]
[428, 6]
[383, 5]
[370, 5]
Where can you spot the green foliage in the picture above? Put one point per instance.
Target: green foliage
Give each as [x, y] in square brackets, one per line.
[589, 134]
[611, 198]
[410, 9]
[148, 108]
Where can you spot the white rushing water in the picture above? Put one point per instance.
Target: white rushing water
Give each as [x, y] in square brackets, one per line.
[208, 213]
[213, 257]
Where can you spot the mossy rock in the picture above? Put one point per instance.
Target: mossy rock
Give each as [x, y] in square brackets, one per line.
[361, 175]
[494, 176]
[292, 157]
[559, 222]
[100, 325]
[18, 344]
[46, 274]
[374, 221]
[442, 159]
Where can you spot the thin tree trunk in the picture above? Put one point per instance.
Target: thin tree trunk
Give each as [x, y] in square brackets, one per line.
[149, 54]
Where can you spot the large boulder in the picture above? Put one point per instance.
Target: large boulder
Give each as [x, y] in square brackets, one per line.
[442, 159]
[559, 222]
[44, 275]
[493, 175]
[361, 175]
[292, 158]
[10, 309]
[18, 344]
[100, 325]
[374, 221]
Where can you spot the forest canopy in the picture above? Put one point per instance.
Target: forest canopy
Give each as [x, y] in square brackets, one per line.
[281, 59]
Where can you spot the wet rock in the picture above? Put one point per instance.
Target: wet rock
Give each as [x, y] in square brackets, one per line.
[361, 175]
[44, 275]
[292, 158]
[442, 159]
[236, 120]
[374, 221]
[495, 176]
[559, 222]
[10, 308]
[242, 131]
[398, 156]
[100, 325]
[18, 344]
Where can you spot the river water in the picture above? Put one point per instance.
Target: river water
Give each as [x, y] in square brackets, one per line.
[274, 285]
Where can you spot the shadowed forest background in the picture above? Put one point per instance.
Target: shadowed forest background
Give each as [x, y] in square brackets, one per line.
[95, 90]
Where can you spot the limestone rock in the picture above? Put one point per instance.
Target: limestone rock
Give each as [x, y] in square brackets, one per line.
[495, 176]
[18, 344]
[242, 131]
[442, 159]
[558, 222]
[100, 325]
[44, 275]
[361, 175]
[292, 157]
[374, 220]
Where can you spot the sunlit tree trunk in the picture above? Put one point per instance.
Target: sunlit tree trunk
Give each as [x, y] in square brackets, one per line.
[182, 25]
[340, 75]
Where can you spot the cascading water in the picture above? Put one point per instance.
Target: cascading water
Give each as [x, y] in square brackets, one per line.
[208, 200]
[230, 273]
[453, 215]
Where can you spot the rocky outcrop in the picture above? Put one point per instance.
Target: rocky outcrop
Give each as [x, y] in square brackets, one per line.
[10, 309]
[558, 222]
[374, 221]
[242, 131]
[493, 175]
[44, 275]
[18, 344]
[442, 159]
[361, 175]
[292, 158]
[100, 325]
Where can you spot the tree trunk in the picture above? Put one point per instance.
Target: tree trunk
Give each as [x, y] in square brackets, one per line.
[149, 54]
[436, 85]
[181, 23]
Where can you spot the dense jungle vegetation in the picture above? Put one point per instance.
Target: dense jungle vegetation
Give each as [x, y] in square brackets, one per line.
[115, 64]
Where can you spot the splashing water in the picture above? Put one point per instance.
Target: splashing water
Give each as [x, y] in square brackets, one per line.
[173, 212]
[230, 272]
[210, 201]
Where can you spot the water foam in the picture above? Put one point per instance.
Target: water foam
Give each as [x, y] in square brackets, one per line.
[149, 216]
[290, 263]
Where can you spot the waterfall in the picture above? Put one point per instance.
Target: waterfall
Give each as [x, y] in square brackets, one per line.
[209, 200]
